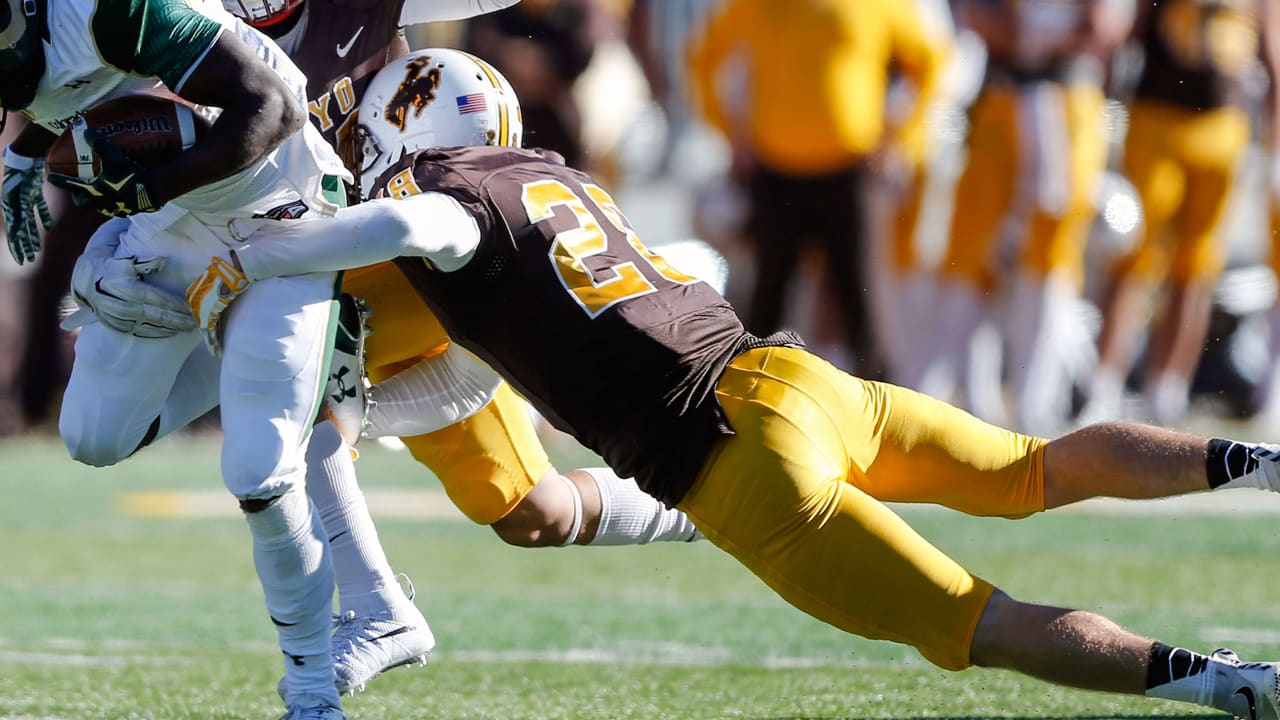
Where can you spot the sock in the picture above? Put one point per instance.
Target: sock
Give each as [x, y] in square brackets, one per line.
[366, 583]
[1207, 680]
[1167, 398]
[1232, 464]
[629, 516]
[292, 560]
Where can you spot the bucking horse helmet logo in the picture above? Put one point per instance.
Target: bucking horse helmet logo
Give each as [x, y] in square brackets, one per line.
[415, 92]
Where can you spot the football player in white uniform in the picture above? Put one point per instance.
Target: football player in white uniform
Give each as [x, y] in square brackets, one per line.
[489, 458]
[259, 161]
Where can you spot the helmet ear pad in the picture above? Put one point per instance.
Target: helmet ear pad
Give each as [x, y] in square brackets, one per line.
[435, 97]
[21, 52]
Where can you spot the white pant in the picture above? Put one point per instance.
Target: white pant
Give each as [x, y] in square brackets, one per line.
[276, 345]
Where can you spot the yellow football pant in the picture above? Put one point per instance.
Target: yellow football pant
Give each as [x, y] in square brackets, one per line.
[1056, 163]
[1183, 164]
[487, 463]
[795, 495]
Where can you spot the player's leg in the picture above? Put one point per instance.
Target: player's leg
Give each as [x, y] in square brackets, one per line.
[124, 392]
[277, 340]
[1086, 650]
[983, 195]
[1161, 184]
[495, 470]
[379, 626]
[929, 451]
[775, 496]
[1212, 147]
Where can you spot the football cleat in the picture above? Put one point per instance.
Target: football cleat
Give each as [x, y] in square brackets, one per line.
[1251, 691]
[347, 393]
[365, 646]
[1268, 459]
[313, 707]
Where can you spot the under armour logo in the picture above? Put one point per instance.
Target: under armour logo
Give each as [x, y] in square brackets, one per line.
[344, 391]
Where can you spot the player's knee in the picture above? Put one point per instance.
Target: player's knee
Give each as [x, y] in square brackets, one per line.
[92, 445]
[532, 524]
[529, 536]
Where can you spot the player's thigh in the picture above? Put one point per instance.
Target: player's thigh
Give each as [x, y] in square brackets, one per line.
[277, 342]
[1215, 146]
[403, 327]
[119, 385]
[775, 495]
[489, 462]
[932, 452]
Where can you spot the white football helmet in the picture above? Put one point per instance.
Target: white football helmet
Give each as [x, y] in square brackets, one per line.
[430, 98]
[261, 13]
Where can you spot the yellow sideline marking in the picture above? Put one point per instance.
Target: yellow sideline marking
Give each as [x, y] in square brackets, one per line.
[400, 504]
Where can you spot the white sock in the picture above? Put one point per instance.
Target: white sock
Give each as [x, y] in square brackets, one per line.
[292, 559]
[629, 516]
[366, 582]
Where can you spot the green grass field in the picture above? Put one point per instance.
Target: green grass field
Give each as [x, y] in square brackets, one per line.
[105, 614]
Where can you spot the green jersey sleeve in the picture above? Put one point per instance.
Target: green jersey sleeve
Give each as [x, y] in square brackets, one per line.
[152, 38]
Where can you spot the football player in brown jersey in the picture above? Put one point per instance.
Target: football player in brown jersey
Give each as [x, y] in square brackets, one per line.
[489, 459]
[781, 460]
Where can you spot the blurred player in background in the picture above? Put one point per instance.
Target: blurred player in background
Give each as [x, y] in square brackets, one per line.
[799, 89]
[779, 457]
[1036, 152]
[1188, 132]
[486, 454]
[139, 371]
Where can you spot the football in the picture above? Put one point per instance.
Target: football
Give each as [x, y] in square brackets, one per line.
[149, 129]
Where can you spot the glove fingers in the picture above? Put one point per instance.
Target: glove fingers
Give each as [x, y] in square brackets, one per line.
[46, 217]
[110, 154]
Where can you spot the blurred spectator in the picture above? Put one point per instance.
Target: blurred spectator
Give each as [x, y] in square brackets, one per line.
[1024, 202]
[901, 281]
[543, 46]
[804, 154]
[1188, 132]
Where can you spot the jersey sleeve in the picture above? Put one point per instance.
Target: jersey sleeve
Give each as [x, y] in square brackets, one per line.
[153, 38]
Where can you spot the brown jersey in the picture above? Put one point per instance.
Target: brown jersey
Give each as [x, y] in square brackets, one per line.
[607, 340]
[1198, 52]
[344, 44]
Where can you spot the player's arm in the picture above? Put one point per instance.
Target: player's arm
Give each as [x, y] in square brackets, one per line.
[1269, 24]
[206, 64]
[431, 225]
[423, 11]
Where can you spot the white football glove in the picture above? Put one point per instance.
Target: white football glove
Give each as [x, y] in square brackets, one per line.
[116, 290]
[22, 199]
[210, 294]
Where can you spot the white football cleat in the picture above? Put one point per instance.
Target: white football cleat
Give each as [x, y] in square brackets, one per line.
[1268, 458]
[313, 707]
[1251, 691]
[365, 646]
[347, 392]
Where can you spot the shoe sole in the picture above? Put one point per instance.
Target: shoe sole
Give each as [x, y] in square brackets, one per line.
[418, 661]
